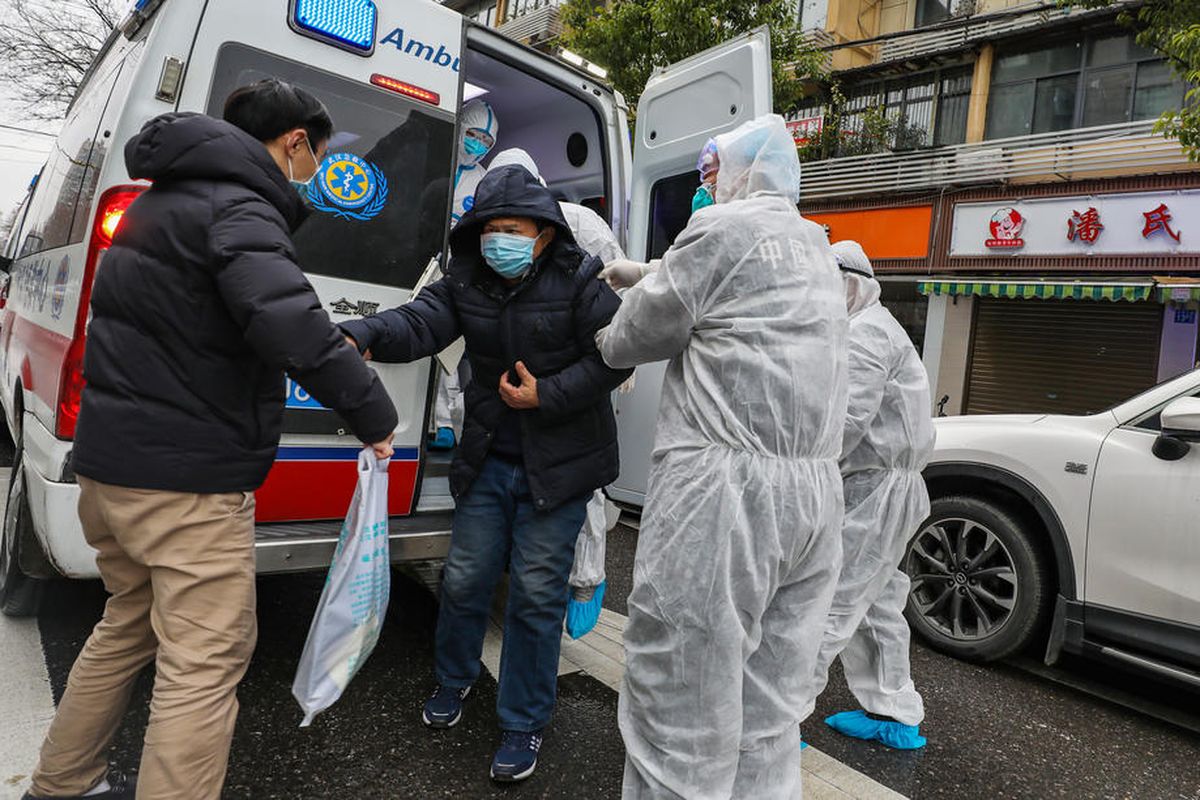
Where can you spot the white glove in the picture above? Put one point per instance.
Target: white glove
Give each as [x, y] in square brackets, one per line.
[623, 273]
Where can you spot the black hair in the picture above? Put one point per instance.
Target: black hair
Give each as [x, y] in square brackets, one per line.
[269, 108]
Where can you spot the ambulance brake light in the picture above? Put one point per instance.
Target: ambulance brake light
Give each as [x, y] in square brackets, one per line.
[406, 89]
[349, 24]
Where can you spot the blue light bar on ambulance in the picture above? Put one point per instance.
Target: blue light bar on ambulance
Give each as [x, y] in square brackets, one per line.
[348, 24]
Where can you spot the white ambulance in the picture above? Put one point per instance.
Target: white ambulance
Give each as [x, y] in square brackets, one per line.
[394, 74]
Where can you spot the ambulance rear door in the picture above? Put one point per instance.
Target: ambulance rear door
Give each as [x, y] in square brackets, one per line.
[682, 107]
[389, 73]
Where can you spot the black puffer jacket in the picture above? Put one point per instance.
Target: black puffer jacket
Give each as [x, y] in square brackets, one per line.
[197, 310]
[569, 443]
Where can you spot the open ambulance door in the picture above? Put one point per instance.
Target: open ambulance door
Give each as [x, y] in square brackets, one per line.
[682, 107]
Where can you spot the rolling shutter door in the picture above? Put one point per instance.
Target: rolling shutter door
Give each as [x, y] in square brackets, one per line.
[1061, 356]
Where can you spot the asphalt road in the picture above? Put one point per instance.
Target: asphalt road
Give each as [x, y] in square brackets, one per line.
[1013, 730]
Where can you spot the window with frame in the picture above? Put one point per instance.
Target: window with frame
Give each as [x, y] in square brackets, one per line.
[1101, 79]
[928, 109]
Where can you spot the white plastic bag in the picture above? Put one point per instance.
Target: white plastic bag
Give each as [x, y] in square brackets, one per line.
[354, 602]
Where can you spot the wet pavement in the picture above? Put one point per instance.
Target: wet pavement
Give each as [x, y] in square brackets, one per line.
[371, 744]
[998, 731]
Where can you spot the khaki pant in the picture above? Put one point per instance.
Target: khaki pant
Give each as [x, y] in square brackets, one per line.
[180, 569]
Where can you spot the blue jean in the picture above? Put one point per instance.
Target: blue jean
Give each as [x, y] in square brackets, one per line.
[496, 525]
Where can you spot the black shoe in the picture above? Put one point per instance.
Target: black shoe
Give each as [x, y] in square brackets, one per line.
[121, 787]
[517, 757]
[443, 709]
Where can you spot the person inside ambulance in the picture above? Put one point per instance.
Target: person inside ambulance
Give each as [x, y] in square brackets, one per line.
[480, 128]
[197, 313]
[540, 436]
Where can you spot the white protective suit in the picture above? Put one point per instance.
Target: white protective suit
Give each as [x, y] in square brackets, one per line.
[594, 236]
[888, 440]
[739, 548]
[448, 408]
[479, 115]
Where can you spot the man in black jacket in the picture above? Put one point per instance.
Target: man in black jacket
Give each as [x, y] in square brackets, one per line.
[197, 311]
[539, 437]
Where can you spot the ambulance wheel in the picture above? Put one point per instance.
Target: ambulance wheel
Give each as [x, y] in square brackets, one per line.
[20, 595]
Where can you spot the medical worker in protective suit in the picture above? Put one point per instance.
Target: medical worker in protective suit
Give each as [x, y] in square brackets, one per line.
[740, 546]
[480, 128]
[887, 442]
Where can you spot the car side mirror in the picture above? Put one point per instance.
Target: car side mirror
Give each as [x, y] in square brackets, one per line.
[1180, 428]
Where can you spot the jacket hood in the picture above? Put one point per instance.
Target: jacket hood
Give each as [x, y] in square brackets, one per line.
[511, 191]
[176, 147]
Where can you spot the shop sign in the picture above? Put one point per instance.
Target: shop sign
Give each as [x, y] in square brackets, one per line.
[1128, 224]
[1006, 225]
[805, 129]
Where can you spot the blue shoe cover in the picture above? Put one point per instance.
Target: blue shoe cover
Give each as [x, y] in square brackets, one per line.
[803, 745]
[582, 616]
[442, 440]
[893, 734]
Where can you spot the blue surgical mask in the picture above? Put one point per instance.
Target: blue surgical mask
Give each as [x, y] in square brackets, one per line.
[702, 198]
[303, 186]
[475, 148]
[509, 255]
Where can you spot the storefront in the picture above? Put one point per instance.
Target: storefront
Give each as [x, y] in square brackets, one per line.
[1061, 298]
[1078, 307]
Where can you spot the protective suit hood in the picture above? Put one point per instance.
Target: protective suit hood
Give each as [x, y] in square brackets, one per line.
[476, 114]
[862, 290]
[515, 156]
[758, 157]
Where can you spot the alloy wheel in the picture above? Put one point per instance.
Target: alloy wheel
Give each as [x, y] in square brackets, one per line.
[964, 583]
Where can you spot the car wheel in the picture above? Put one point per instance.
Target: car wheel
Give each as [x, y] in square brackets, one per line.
[20, 595]
[981, 588]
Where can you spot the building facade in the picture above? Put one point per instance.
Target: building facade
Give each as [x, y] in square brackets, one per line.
[997, 160]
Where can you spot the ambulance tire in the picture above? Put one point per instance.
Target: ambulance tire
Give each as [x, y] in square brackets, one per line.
[20, 595]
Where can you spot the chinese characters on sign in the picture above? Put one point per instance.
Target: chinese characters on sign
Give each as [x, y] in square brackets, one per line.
[1084, 227]
[1007, 227]
[805, 129]
[1158, 220]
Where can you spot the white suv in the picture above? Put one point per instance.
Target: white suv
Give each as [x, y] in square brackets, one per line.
[1089, 525]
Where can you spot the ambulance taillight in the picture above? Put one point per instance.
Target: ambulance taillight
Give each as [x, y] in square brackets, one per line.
[110, 211]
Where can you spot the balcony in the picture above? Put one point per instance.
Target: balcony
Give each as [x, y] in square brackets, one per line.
[964, 32]
[535, 27]
[1106, 151]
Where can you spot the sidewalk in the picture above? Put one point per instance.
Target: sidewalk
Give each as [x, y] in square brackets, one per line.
[601, 655]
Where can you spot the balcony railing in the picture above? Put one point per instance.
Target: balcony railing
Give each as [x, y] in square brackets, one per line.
[535, 26]
[1106, 151]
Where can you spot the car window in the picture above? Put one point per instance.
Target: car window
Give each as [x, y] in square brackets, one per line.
[383, 211]
[670, 209]
[1152, 421]
[58, 210]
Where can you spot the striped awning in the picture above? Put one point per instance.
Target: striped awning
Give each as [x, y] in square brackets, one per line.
[1041, 290]
[1179, 293]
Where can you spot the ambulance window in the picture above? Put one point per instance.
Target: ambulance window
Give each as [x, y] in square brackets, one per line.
[381, 201]
[62, 199]
[670, 208]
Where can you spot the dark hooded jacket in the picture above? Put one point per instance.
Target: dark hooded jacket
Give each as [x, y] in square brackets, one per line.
[549, 321]
[198, 309]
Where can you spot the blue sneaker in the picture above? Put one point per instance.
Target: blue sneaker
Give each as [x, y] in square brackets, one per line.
[896, 735]
[444, 707]
[442, 440]
[517, 757]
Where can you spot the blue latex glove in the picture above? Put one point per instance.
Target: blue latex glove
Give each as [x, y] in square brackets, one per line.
[896, 735]
[582, 615]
